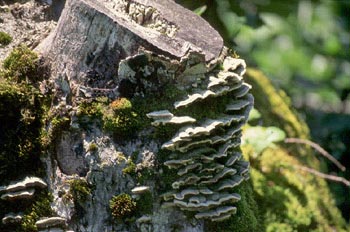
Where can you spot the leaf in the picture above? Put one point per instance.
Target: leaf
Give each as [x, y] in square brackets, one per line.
[262, 137]
[200, 10]
[253, 115]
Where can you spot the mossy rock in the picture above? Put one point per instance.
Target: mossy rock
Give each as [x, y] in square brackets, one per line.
[288, 199]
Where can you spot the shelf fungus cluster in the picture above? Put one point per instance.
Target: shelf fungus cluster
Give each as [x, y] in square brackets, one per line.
[19, 191]
[24, 189]
[205, 152]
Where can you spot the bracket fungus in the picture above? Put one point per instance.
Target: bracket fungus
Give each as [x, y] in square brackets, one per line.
[12, 218]
[24, 189]
[165, 117]
[206, 151]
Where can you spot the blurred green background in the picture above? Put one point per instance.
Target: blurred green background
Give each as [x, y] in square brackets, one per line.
[304, 47]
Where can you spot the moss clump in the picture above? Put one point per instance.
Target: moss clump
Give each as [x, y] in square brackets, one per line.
[92, 110]
[210, 108]
[22, 65]
[121, 119]
[93, 147]
[79, 190]
[122, 206]
[5, 39]
[130, 167]
[57, 125]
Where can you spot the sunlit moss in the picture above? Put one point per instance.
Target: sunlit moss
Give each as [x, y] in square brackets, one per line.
[130, 167]
[120, 119]
[5, 39]
[275, 106]
[79, 191]
[40, 208]
[22, 64]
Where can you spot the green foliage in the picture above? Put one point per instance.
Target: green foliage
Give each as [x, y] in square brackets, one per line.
[122, 206]
[254, 115]
[262, 137]
[40, 208]
[200, 10]
[274, 106]
[79, 190]
[22, 65]
[5, 39]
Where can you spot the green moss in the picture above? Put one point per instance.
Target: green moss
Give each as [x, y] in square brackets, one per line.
[21, 113]
[79, 190]
[40, 208]
[57, 124]
[296, 193]
[5, 39]
[168, 176]
[120, 119]
[163, 99]
[210, 108]
[122, 206]
[275, 106]
[288, 199]
[130, 167]
[91, 112]
[22, 65]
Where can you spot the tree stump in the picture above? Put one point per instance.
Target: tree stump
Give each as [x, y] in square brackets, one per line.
[154, 102]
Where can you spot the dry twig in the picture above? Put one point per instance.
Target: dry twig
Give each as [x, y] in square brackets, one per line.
[323, 175]
[317, 148]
